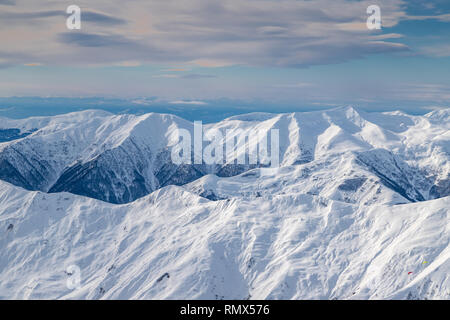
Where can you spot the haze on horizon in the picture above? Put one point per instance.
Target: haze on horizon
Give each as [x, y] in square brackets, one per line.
[213, 54]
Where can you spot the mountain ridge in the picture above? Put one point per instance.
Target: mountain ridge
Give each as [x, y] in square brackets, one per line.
[119, 158]
[291, 246]
[357, 209]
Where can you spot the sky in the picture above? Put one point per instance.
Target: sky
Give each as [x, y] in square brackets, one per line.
[208, 53]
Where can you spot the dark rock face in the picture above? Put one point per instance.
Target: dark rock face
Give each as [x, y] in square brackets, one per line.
[168, 173]
[352, 184]
[441, 189]
[210, 195]
[133, 169]
[171, 174]
[393, 172]
[128, 173]
[10, 174]
[116, 176]
[95, 181]
[23, 170]
[12, 134]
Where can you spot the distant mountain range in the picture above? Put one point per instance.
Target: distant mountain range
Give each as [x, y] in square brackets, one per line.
[120, 158]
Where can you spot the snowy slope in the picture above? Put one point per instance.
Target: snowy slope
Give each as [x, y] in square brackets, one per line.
[81, 152]
[120, 158]
[173, 244]
[357, 210]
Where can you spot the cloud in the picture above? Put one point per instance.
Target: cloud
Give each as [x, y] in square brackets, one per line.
[144, 101]
[435, 108]
[297, 85]
[187, 102]
[30, 15]
[387, 36]
[206, 33]
[4, 65]
[175, 70]
[189, 76]
[11, 59]
[129, 64]
[7, 2]
[86, 16]
[437, 51]
[211, 63]
[93, 40]
[101, 18]
[440, 17]
[423, 92]
[168, 76]
[194, 76]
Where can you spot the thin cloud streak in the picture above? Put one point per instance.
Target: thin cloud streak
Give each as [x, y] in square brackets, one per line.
[284, 33]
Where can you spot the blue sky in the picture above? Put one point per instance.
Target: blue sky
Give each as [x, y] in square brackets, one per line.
[199, 53]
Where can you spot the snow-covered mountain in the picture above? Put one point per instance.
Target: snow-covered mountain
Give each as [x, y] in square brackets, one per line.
[174, 244]
[120, 158]
[358, 209]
